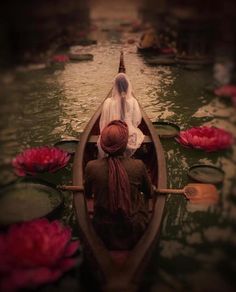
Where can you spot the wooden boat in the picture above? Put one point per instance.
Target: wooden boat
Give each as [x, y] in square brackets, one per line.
[119, 275]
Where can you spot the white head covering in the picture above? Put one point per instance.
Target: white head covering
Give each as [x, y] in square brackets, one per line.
[122, 85]
[123, 106]
[122, 91]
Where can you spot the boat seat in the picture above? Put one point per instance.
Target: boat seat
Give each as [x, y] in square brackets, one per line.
[94, 139]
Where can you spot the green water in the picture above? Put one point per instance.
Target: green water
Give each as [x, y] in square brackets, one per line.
[42, 107]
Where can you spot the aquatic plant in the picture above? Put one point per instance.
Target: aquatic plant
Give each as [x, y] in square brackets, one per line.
[60, 58]
[206, 138]
[40, 160]
[226, 90]
[35, 253]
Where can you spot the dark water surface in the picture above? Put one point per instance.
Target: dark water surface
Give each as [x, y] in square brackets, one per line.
[40, 107]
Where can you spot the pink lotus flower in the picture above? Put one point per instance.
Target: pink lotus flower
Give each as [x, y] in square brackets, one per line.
[34, 253]
[206, 138]
[39, 160]
[60, 58]
[226, 90]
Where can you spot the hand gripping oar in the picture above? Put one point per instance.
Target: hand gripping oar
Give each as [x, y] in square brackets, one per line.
[196, 193]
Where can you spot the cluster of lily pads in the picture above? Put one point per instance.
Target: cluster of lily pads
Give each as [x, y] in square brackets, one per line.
[65, 58]
[210, 138]
[39, 251]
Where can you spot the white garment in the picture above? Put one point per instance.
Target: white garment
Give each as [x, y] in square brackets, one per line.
[112, 110]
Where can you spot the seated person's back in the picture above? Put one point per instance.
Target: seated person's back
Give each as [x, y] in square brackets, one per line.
[121, 189]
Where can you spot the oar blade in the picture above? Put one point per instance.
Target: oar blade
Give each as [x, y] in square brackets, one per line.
[202, 193]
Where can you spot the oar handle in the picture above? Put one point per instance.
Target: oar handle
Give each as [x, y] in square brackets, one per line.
[170, 191]
[70, 188]
[81, 188]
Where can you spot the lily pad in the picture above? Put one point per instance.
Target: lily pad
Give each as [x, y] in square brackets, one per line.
[188, 60]
[28, 199]
[206, 173]
[147, 50]
[161, 61]
[81, 57]
[67, 145]
[210, 87]
[166, 129]
[86, 42]
[192, 67]
[7, 175]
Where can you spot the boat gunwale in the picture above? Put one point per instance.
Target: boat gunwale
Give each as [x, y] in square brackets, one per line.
[133, 266]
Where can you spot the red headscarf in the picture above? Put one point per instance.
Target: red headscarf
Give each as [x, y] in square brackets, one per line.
[114, 139]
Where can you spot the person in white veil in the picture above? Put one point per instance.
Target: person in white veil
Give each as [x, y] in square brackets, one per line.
[123, 106]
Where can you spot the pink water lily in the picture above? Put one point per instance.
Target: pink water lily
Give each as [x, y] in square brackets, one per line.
[226, 90]
[34, 253]
[206, 138]
[40, 160]
[60, 58]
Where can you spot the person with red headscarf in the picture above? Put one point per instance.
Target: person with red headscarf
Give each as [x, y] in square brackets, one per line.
[121, 188]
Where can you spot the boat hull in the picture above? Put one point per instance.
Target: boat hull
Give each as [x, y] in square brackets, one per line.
[119, 271]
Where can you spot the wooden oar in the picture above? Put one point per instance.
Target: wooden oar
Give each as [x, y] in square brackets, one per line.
[196, 193]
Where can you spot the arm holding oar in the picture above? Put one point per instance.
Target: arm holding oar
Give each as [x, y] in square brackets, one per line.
[194, 192]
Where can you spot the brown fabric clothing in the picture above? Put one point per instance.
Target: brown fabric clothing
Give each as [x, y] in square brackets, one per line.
[117, 231]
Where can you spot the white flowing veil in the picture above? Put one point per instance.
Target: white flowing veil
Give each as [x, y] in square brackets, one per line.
[123, 106]
[118, 106]
[121, 94]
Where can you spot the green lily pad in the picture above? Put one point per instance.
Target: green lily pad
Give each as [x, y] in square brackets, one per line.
[86, 42]
[67, 145]
[80, 57]
[161, 61]
[28, 199]
[166, 129]
[188, 60]
[206, 173]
